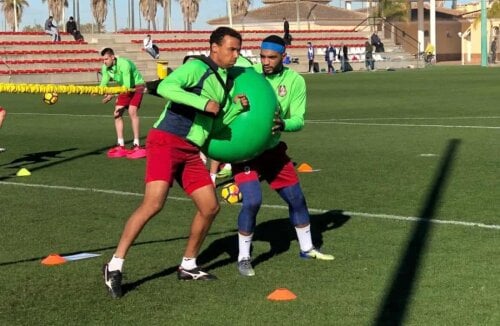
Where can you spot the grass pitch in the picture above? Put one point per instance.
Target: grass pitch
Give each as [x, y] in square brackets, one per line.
[406, 199]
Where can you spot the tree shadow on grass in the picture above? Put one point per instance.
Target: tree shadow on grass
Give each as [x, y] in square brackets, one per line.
[48, 158]
[394, 308]
[35, 158]
[278, 233]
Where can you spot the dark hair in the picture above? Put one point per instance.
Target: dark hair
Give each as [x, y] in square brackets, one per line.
[70, 17]
[107, 51]
[275, 39]
[220, 32]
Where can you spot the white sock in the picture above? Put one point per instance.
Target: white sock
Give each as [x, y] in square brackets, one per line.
[304, 236]
[244, 243]
[136, 142]
[121, 141]
[213, 176]
[115, 264]
[188, 263]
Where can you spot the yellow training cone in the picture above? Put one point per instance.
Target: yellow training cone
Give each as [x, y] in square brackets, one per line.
[23, 173]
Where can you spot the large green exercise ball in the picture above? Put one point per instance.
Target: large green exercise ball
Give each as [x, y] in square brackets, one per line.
[249, 133]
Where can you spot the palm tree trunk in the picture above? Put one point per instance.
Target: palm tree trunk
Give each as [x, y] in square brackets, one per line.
[114, 16]
[78, 13]
[15, 16]
[166, 15]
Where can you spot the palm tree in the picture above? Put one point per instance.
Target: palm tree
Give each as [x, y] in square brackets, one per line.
[190, 9]
[56, 8]
[393, 9]
[100, 11]
[114, 16]
[492, 13]
[166, 4]
[148, 9]
[8, 11]
[240, 6]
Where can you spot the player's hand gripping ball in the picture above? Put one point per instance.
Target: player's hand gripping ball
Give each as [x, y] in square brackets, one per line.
[231, 193]
[50, 98]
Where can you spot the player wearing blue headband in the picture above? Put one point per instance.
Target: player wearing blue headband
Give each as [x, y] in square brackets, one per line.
[274, 165]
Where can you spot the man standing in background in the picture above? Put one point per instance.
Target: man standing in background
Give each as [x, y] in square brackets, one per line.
[286, 28]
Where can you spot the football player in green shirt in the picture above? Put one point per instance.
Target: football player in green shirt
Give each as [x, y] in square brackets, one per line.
[196, 93]
[274, 165]
[124, 72]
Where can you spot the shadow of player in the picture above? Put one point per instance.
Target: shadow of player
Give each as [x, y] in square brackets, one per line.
[279, 233]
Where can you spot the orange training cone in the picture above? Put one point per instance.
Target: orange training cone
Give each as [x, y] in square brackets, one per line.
[53, 259]
[282, 294]
[304, 167]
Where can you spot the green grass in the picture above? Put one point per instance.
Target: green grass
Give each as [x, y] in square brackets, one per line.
[366, 132]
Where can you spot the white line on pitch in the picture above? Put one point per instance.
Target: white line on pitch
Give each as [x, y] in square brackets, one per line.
[312, 210]
[73, 115]
[398, 124]
[413, 118]
[309, 121]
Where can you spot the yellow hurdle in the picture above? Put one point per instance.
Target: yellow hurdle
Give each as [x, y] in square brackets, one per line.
[61, 89]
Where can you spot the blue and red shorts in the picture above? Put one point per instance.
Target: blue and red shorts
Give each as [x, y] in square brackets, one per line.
[273, 165]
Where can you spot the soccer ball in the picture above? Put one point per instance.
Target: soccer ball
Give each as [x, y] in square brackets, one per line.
[50, 98]
[231, 193]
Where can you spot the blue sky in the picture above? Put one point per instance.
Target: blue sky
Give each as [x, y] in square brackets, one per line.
[37, 12]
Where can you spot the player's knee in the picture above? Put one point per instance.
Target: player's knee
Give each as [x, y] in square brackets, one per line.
[154, 206]
[210, 211]
[251, 203]
[252, 196]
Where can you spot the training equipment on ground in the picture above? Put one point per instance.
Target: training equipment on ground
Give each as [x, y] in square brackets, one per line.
[61, 89]
[50, 98]
[231, 193]
[248, 134]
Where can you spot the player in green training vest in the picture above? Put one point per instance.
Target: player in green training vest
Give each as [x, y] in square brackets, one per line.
[274, 165]
[196, 94]
[124, 73]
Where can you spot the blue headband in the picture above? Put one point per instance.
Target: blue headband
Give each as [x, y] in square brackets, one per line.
[273, 47]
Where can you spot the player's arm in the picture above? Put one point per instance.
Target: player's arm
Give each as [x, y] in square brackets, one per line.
[104, 82]
[294, 119]
[174, 87]
[104, 76]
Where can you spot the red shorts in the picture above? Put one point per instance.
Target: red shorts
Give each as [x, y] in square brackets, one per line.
[171, 157]
[273, 165]
[131, 98]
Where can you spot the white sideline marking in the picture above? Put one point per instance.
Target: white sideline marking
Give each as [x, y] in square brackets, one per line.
[312, 210]
[74, 115]
[416, 118]
[310, 121]
[397, 124]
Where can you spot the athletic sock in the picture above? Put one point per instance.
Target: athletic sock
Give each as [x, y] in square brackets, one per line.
[188, 263]
[136, 142]
[304, 236]
[115, 264]
[244, 243]
[121, 141]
